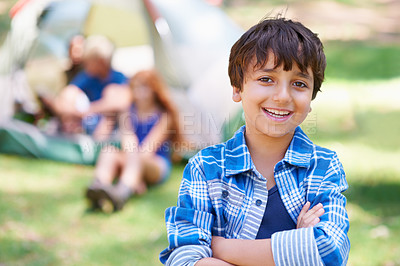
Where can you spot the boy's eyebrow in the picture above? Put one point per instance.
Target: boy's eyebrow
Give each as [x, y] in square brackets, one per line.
[268, 70]
[304, 75]
[299, 73]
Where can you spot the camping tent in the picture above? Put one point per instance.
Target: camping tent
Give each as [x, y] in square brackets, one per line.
[188, 41]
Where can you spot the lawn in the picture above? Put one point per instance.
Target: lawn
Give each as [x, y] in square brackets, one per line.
[43, 218]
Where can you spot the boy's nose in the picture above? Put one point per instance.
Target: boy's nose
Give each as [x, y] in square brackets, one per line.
[282, 93]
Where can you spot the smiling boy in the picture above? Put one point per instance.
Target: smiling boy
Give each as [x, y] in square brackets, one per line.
[246, 201]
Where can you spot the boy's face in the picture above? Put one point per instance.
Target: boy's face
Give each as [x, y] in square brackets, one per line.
[275, 101]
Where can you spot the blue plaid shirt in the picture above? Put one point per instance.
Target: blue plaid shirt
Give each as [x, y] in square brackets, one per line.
[223, 194]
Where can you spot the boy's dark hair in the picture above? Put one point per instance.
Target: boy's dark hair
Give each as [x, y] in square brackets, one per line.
[288, 40]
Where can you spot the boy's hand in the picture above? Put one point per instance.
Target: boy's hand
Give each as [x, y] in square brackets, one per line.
[309, 218]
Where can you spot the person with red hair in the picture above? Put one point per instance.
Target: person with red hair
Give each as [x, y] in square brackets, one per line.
[148, 130]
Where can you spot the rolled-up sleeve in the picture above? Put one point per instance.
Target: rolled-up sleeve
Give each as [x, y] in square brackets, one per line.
[326, 243]
[189, 224]
[188, 255]
[295, 247]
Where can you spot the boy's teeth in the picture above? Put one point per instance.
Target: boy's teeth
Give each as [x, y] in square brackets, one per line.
[277, 112]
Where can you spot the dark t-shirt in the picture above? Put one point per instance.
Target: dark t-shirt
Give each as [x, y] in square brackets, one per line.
[276, 218]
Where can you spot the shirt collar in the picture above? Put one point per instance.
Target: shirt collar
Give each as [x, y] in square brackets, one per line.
[300, 149]
[238, 158]
[237, 154]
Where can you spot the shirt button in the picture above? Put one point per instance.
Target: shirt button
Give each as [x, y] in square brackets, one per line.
[258, 202]
[225, 194]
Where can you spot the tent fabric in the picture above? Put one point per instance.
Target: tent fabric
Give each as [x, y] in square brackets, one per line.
[128, 28]
[24, 139]
[192, 42]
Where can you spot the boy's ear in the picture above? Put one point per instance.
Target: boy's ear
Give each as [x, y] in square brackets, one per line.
[236, 97]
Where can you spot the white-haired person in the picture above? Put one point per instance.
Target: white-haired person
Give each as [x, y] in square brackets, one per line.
[93, 97]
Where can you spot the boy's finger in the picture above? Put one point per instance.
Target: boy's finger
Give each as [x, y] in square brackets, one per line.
[311, 217]
[314, 222]
[320, 212]
[313, 210]
[316, 211]
[312, 214]
[304, 209]
[303, 212]
[317, 207]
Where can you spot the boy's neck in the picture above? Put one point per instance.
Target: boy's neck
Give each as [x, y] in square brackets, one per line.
[265, 148]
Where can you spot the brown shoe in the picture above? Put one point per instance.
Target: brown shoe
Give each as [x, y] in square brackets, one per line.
[118, 195]
[93, 194]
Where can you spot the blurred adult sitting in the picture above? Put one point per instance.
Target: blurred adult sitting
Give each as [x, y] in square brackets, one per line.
[93, 97]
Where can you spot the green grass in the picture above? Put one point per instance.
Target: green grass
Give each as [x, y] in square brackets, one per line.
[43, 218]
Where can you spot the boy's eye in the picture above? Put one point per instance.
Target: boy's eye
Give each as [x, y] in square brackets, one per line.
[265, 79]
[300, 84]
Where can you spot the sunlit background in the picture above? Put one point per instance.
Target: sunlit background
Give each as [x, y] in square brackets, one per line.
[42, 209]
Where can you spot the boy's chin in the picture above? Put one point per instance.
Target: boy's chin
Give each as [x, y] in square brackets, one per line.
[276, 132]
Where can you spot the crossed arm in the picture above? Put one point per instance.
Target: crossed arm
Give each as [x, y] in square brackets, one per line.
[254, 252]
[190, 224]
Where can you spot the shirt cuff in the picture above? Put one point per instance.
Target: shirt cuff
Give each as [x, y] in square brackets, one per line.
[188, 255]
[295, 247]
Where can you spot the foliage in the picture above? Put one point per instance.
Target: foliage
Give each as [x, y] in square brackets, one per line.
[362, 61]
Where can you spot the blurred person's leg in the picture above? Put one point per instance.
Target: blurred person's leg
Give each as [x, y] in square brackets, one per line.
[140, 171]
[69, 106]
[136, 173]
[108, 167]
[155, 170]
[109, 164]
[115, 98]
[69, 102]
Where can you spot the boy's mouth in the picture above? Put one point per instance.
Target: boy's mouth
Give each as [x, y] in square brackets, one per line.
[277, 113]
